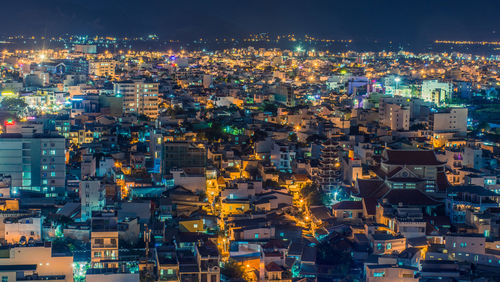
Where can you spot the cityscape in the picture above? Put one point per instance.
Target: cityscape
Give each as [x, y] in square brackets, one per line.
[254, 156]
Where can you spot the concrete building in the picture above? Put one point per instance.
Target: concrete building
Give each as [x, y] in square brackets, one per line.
[284, 94]
[139, 97]
[104, 240]
[34, 162]
[184, 155]
[450, 120]
[396, 117]
[85, 48]
[38, 262]
[102, 68]
[92, 196]
[435, 91]
[23, 229]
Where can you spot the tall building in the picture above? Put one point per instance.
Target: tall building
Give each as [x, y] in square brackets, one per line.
[104, 240]
[92, 196]
[450, 120]
[396, 117]
[102, 68]
[35, 162]
[435, 91]
[85, 48]
[330, 174]
[283, 94]
[184, 155]
[139, 96]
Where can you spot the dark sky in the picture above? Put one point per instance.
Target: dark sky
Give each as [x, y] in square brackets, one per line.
[407, 20]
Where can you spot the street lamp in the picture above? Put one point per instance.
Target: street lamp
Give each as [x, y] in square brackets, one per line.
[397, 80]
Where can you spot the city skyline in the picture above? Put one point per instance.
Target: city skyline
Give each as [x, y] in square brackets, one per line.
[408, 21]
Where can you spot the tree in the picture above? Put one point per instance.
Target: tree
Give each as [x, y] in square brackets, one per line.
[293, 137]
[270, 107]
[258, 135]
[233, 270]
[13, 104]
[418, 126]
[313, 194]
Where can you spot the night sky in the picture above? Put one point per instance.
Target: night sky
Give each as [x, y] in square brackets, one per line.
[405, 20]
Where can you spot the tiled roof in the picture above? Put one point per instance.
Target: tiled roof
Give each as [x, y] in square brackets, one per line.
[371, 188]
[348, 205]
[411, 157]
[409, 197]
[370, 205]
[272, 266]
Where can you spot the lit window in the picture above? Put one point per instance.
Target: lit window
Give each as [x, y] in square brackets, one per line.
[379, 274]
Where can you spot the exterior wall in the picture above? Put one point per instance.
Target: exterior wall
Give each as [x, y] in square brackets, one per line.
[454, 121]
[430, 87]
[92, 198]
[42, 257]
[234, 208]
[113, 277]
[106, 250]
[139, 97]
[390, 274]
[34, 163]
[29, 227]
[389, 246]
[102, 68]
[466, 244]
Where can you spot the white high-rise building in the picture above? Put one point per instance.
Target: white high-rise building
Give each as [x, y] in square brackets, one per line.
[435, 91]
[139, 96]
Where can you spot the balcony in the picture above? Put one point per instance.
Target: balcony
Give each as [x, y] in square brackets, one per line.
[104, 246]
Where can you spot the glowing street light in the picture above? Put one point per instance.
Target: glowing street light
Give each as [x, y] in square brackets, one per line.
[397, 80]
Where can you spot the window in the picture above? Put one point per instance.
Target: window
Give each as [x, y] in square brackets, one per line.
[379, 246]
[389, 246]
[97, 254]
[53, 174]
[195, 225]
[44, 167]
[256, 235]
[52, 152]
[170, 271]
[379, 274]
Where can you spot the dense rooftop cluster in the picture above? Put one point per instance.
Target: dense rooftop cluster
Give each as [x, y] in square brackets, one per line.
[248, 164]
